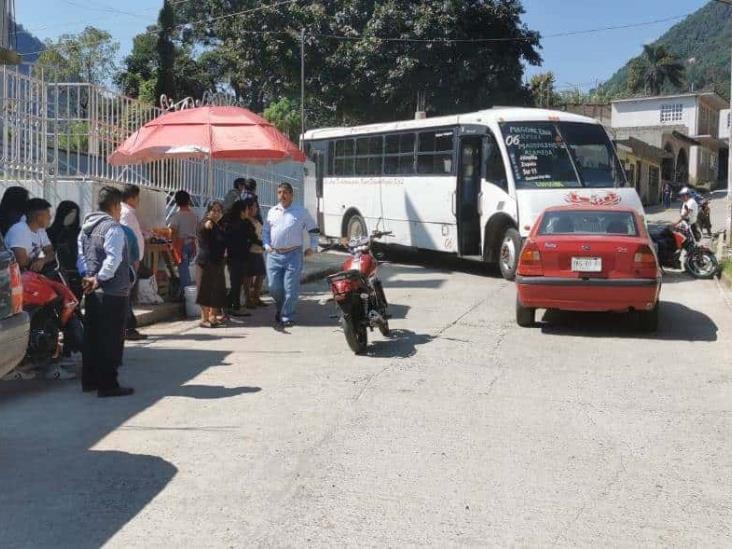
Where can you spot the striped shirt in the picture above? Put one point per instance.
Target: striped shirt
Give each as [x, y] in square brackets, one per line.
[284, 228]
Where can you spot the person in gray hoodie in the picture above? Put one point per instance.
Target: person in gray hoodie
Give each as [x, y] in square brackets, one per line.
[105, 265]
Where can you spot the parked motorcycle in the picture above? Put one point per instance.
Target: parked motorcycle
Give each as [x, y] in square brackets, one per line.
[672, 240]
[53, 311]
[359, 293]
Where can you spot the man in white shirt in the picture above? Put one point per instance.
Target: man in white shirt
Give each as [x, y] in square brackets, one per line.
[689, 211]
[28, 239]
[282, 235]
[130, 203]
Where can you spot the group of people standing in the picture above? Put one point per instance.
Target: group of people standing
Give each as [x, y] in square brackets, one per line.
[233, 234]
[230, 237]
[100, 257]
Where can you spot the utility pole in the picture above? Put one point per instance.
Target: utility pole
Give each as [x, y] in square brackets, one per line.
[302, 86]
[729, 158]
[729, 168]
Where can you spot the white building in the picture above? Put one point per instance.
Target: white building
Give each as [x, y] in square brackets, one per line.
[686, 125]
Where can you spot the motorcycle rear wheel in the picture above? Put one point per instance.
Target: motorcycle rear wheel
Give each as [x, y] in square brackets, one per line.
[702, 264]
[356, 334]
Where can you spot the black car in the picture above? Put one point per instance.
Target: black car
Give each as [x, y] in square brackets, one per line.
[14, 322]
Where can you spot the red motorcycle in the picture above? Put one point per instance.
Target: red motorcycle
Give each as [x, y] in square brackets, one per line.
[53, 311]
[359, 294]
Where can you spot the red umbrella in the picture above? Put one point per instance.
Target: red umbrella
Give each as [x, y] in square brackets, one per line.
[220, 133]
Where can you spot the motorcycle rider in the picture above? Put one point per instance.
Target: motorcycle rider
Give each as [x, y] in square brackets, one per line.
[33, 251]
[689, 211]
[28, 239]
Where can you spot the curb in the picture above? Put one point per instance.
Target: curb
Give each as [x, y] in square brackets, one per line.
[165, 312]
[726, 281]
[168, 312]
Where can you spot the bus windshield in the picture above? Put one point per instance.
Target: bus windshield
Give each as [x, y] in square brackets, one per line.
[551, 155]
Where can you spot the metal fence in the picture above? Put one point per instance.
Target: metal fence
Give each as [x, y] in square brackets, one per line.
[54, 131]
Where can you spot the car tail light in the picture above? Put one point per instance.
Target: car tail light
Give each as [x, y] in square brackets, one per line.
[645, 262]
[530, 260]
[644, 255]
[16, 285]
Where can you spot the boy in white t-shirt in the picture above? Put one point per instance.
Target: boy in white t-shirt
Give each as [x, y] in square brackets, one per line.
[33, 250]
[28, 238]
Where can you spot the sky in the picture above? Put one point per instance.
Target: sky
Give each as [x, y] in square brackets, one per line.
[581, 60]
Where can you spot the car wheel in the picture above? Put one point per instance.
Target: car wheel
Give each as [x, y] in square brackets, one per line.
[525, 316]
[648, 320]
[508, 253]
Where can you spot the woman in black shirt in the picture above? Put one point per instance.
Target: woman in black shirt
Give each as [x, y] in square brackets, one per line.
[237, 255]
[210, 266]
[64, 234]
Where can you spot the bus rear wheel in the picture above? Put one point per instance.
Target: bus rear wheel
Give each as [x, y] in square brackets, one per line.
[356, 227]
[508, 253]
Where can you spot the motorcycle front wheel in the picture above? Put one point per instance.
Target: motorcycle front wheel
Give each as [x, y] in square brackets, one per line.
[356, 334]
[702, 264]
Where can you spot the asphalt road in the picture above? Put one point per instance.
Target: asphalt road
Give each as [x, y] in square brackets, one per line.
[461, 430]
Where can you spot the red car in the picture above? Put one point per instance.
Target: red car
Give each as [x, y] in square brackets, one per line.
[589, 258]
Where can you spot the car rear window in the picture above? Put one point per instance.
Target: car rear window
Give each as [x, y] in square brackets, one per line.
[588, 222]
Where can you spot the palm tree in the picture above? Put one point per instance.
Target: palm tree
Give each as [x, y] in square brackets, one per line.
[656, 68]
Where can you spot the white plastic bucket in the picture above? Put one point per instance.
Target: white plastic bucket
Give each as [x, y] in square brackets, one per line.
[192, 309]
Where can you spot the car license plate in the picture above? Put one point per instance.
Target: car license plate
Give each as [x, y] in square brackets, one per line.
[587, 264]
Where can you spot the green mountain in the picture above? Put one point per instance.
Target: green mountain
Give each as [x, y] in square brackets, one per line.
[702, 42]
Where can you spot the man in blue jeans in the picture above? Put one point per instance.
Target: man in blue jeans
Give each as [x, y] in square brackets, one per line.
[282, 236]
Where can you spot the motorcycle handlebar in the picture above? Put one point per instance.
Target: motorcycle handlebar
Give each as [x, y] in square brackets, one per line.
[380, 234]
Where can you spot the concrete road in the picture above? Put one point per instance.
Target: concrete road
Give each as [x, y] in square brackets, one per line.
[461, 430]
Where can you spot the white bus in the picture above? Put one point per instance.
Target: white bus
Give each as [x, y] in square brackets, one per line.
[471, 184]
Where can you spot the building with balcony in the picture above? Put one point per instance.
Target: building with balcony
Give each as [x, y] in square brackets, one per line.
[686, 127]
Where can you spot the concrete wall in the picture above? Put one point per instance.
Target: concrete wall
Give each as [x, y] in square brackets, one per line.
[84, 193]
[724, 120]
[647, 112]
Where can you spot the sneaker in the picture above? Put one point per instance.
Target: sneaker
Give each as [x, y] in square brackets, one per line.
[18, 375]
[288, 323]
[58, 372]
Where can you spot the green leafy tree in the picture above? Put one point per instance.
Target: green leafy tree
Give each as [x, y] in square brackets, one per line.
[285, 115]
[701, 42]
[191, 77]
[139, 66]
[543, 90]
[88, 57]
[369, 59]
[165, 82]
[654, 70]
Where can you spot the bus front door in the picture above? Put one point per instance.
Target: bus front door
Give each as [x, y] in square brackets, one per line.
[467, 210]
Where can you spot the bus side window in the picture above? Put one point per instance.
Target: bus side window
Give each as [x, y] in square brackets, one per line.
[495, 170]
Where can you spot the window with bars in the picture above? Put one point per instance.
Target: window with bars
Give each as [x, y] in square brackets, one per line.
[672, 112]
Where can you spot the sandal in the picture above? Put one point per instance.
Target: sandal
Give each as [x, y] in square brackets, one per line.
[207, 324]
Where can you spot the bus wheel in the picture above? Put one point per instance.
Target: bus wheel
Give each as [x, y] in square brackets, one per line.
[508, 254]
[356, 227]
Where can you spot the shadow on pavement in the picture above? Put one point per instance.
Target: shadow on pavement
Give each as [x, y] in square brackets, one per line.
[57, 491]
[212, 392]
[401, 344]
[677, 323]
[437, 260]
